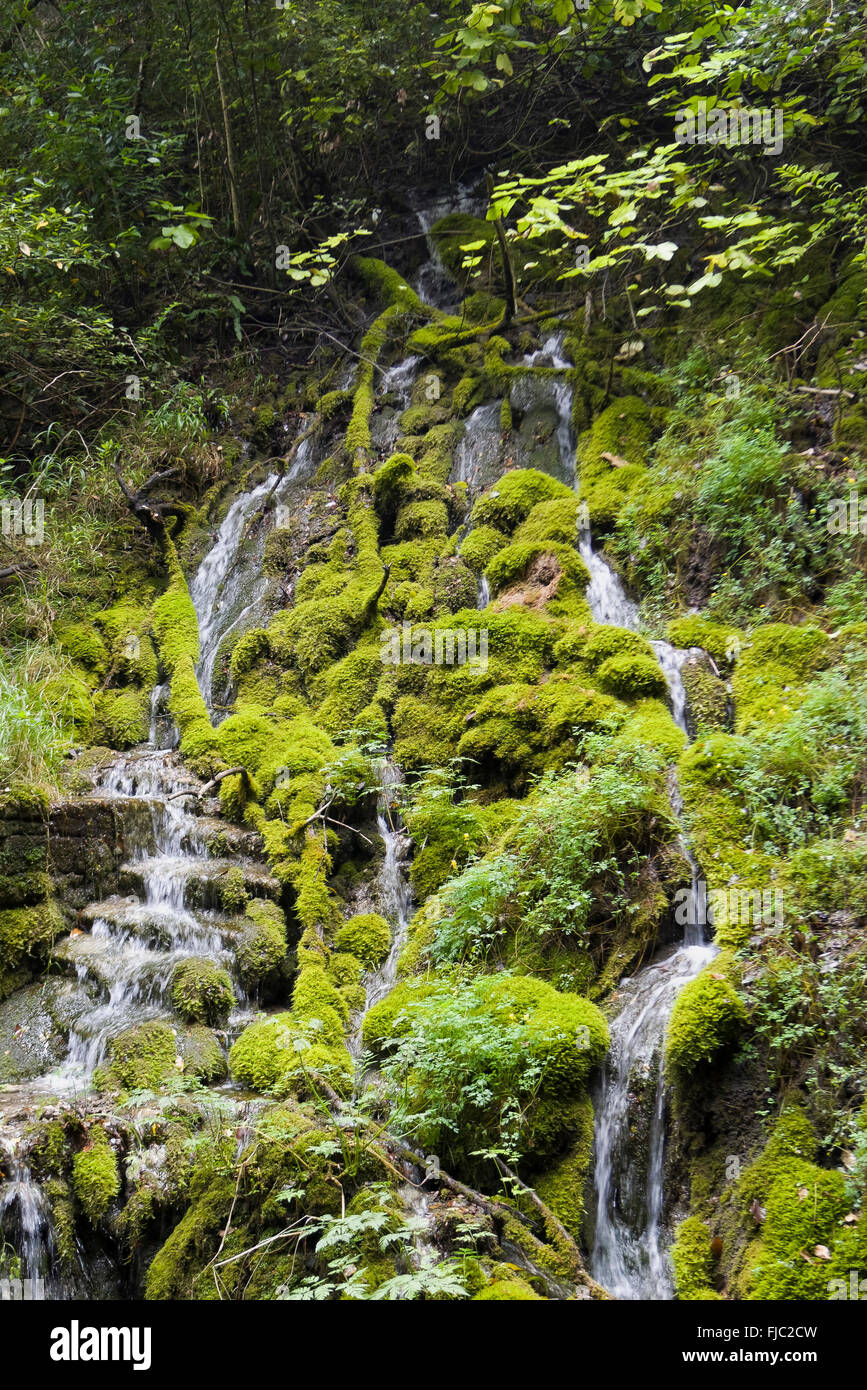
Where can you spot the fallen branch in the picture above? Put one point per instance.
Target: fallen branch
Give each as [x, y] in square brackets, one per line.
[200, 791]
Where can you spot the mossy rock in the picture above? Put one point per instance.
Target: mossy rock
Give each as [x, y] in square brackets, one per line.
[200, 1051]
[708, 1016]
[514, 496]
[481, 545]
[508, 1291]
[121, 718]
[632, 677]
[139, 1058]
[28, 933]
[95, 1177]
[278, 1053]
[202, 991]
[611, 459]
[692, 1260]
[366, 936]
[261, 946]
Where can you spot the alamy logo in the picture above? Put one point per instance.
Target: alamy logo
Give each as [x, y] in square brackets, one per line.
[723, 125]
[749, 906]
[21, 1290]
[77, 1343]
[23, 518]
[448, 646]
[847, 517]
[856, 1288]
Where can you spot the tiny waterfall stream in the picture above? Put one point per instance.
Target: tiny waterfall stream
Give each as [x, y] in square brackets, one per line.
[629, 1257]
[169, 907]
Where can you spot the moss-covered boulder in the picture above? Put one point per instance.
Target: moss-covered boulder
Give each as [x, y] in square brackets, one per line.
[95, 1176]
[202, 991]
[367, 936]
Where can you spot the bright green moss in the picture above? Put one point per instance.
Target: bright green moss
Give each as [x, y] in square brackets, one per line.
[367, 936]
[553, 520]
[121, 718]
[547, 561]
[418, 520]
[28, 933]
[803, 1208]
[95, 1177]
[481, 545]
[140, 1058]
[562, 1186]
[632, 677]
[622, 431]
[202, 992]
[604, 642]
[720, 642]
[650, 726]
[387, 1019]
[277, 1053]
[508, 1291]
[512, 499]
[315, 997]
[83, 644]
[772, 671]
[558, 1037]
[693, 1261]
[708, 1015]
[387, 283]
[250, 648]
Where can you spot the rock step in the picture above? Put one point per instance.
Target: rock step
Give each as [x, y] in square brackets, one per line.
[160, 927]
[193, 883]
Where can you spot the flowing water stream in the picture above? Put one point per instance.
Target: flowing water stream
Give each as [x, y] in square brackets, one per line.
[629, 1255]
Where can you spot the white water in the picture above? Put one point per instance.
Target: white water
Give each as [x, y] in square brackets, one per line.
[434, 285]
[25, 1218]
[215, 590]
[229, 586]
[477, 454]
[394, 893]
[629, 1256]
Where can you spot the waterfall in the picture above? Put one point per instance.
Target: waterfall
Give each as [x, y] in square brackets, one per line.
[629, 1257]
[26, 1225]
[433, 284]
[229, 587]
[394, 894]
[477, 455]
[216, 590]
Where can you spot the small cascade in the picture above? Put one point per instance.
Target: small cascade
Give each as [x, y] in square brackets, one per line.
[395, 894]
[229, 587]
[484, 592]
[433, 284]
[395, 387]
[172, 910]
[629, 1256]
[26, 1227]
[477, 455]
[217, 590]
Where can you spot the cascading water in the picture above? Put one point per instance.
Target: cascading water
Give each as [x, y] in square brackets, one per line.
[26, 1227]
[477, 455]
[629, 1256]
[434, 285]
[395, 894]
[229, 587]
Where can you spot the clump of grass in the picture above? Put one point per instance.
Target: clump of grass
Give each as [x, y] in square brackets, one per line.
[33, 735]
